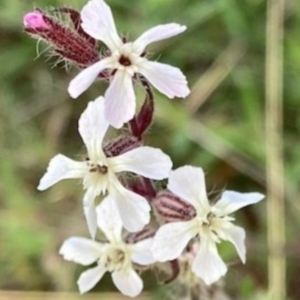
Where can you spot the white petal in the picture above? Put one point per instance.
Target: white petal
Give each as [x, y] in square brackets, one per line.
[189, 184]
[86, 77]
[61, 167]
[89, 210]
[129, 283]
[157, 33]
[81, 250]
[120, 100]
[134, 209]
[90, 278]
[93, 125]
[109, 220]
[236, 235]
[207, 264]
[146, 161]
[142, 253]
[232, 201]
[171, 239]
[98, 22]
[167, 79]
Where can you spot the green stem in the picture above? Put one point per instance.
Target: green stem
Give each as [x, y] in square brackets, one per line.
[274, 150]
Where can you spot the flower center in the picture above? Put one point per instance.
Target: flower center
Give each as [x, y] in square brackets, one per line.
[102, 169]
[97, 168]
[125, 61]
[96, 176]
[116, 258]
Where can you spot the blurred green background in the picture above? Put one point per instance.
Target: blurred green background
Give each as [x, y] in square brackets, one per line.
[219, 127]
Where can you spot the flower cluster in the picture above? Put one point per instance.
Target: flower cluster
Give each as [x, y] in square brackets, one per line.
[123, 172]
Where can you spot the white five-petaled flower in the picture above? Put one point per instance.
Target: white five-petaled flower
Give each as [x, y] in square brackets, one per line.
[99, 172]
[114, 256]
[211, 224]
[126, 60]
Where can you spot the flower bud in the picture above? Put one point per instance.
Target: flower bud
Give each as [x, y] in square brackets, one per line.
[142, 186]
[35, 21]
[67, 41]
[142, 121]
[171, 208]
[121, 145]
[135, 237]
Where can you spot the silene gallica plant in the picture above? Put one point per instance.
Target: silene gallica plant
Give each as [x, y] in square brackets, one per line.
[146, 226]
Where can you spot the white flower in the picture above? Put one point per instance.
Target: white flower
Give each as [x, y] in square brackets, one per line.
[114, 256]
[99, 172]
[126, 59]
[211, 224]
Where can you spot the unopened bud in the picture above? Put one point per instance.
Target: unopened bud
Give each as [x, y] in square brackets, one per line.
[135, 237]
[70, 42]
[142, 186]
[121, 145]
[142, 121]
[171, 208]
[35, 21]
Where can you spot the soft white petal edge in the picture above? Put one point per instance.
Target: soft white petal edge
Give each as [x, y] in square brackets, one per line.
[90, 278]
[133, 209]
[157, 33]
[236, 235]
[167, 79]
[188, 183]
[207, 264]
[142, 253]
[86, 77]
[232, 201]
[171, 239]
[80, 250]
[129, 283]
[89, 210]
[92, 124]
[109, 220]
[120, 100]
[61, 167]
[98, 22]
[146, 161]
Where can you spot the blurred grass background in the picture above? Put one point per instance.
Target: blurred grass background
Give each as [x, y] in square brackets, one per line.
[219, 127]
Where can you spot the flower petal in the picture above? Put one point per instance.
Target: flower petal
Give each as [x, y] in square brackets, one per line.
[142, 253]
[86, 77]
[98, 22]
[137, 161]
[134, 209]
[129, 283]
[81, 250]
[89, 210]
[171, 239]
[167, 79]
[109, 220]
[232, 201]
[188, 183]
[236, 235]
[61, 167]
[207, 264]
[157, 33]
[120, 100]
[93, 125]
[90, 278]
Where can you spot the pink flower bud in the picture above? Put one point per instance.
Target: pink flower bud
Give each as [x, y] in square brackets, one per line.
[67, 41]
[35, 20]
